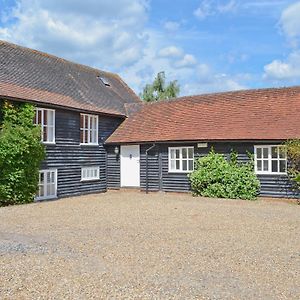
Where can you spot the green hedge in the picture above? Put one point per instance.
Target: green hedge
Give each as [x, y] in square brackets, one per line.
[216, 177]
[21, 153]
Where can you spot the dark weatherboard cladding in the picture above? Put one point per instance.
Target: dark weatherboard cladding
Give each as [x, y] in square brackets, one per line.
[68, 156]
[159, 177]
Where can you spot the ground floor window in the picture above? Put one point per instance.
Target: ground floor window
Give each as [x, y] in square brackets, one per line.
[270, 159]
[181, 159]
[90, 173]
[47, 184]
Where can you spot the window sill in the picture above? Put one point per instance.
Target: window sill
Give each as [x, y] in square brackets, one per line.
[180, 172]
[83, 144]
[40, 199]
[270, 173]
[89, 180]
[49, 143]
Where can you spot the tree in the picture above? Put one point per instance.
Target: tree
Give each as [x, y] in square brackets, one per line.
[158, 90]
[21, 153]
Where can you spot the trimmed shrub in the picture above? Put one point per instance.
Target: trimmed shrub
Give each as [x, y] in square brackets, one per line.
[21, 153]
[216, 177]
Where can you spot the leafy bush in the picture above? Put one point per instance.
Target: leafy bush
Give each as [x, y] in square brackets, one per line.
[293, 153]
[21, 153]
[214, 176]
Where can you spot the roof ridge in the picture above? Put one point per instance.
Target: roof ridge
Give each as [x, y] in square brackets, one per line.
[192, 97]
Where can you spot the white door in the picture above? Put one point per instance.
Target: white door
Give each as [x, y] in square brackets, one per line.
[130, 166]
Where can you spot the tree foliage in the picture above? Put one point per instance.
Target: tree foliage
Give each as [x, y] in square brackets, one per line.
[159, 90]
[21, 153]
[216, 177]
[293, 154]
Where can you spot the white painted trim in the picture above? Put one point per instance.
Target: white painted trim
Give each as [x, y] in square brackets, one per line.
[45, 185]
[93, 168]
[89, 129]
[269, 147]
[180, 159]
[43, 125]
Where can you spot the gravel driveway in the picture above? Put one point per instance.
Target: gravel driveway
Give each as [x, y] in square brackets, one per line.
[128, 245]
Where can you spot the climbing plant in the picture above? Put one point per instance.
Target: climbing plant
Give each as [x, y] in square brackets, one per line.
[21, 153]
[293, 154]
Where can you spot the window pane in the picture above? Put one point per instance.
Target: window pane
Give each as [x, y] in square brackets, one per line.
[265, 152]
[191, 153]
[177, 153]
[259, 165]
[258, 152]
[184, 152]
[177, 165]
[45, 135]
[191, 165]
[282, 166]
[50, 117]
[282, 152]
[275, 166]
[45, 117]
[265, 165]
[81, 121]
[86, 121]
[172, 151]
[50, 135]
[274, 152]
[41, 191]
[172, 164]
[184, 165]
[81, 136]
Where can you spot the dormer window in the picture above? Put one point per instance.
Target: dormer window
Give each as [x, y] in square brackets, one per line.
[104, 80]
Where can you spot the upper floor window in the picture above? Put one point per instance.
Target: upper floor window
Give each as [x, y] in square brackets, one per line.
[46, 119]
[270, 159]
[181, 159]
[88, 129]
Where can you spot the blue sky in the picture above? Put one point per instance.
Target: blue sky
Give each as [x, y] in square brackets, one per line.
[208, 45]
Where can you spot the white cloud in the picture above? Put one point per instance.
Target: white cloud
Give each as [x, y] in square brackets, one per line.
[171, 25]
[290, 22]
[288, 69]
[213, 7]
[187, 61]
[171, 51]
[280, 70]
[94, 32]
[111, 36]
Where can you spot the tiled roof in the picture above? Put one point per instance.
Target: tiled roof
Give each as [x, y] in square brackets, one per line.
[266, 114]
[32, 75]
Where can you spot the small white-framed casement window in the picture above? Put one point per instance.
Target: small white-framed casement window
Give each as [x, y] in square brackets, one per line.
[270, 159]
[46, 119]
[47, 184]
[88, 129]
[90, 173]
[181, 159]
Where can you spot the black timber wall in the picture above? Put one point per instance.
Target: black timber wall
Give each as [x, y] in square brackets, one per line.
[68, 156]
[159, 177]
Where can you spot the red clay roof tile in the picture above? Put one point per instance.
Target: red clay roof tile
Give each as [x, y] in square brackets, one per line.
[266, 114]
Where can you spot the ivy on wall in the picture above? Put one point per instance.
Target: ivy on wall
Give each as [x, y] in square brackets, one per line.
[21, 153]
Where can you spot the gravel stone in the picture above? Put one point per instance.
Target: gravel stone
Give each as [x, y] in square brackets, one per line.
[128, 245]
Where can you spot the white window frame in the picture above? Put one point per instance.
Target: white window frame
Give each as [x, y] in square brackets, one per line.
[46, 126]
[90, 170]
[270, 159]
[90, 130]
[180, 170]
[46, 196]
